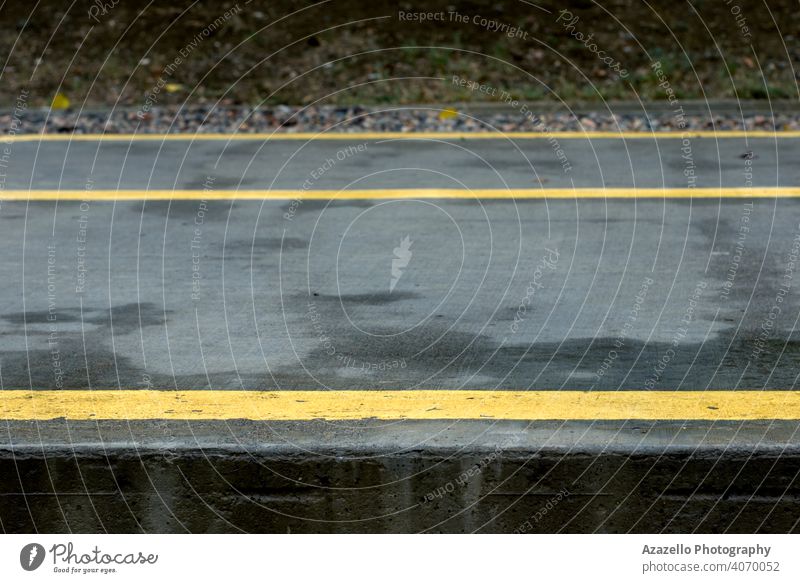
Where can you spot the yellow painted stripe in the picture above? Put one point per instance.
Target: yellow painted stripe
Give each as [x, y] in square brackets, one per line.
[720, 135]
[402, 193]
[391, 405]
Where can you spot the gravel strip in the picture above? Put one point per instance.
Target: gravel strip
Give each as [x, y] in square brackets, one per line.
[355, 119]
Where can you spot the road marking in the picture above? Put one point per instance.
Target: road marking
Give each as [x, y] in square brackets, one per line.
[353, 136]
[392, 405]
[403, 193]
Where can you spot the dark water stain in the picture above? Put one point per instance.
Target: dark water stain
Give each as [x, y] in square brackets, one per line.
[125, 318]
[265, 244]
[424, 350]
[40, 316]
[437, 356]
[707, 227]
[96, 369]
[129, 317]
[372, 299]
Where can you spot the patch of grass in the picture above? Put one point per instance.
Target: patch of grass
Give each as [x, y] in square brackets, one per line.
[136, 47]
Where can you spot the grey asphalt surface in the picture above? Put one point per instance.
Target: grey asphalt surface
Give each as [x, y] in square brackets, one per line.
[305, 303]
[550, 295]
[559, 294]
[277, 164]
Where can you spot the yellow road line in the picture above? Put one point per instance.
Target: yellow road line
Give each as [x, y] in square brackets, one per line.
[304, 136]
[402, 193]
[391, 405]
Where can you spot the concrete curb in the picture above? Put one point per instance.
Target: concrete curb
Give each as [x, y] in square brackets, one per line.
[626, 477]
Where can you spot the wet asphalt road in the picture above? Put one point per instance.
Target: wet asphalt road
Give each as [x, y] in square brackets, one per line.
[566, 294]
[399, 294]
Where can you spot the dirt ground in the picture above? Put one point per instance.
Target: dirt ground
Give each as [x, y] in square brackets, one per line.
[109, 52]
